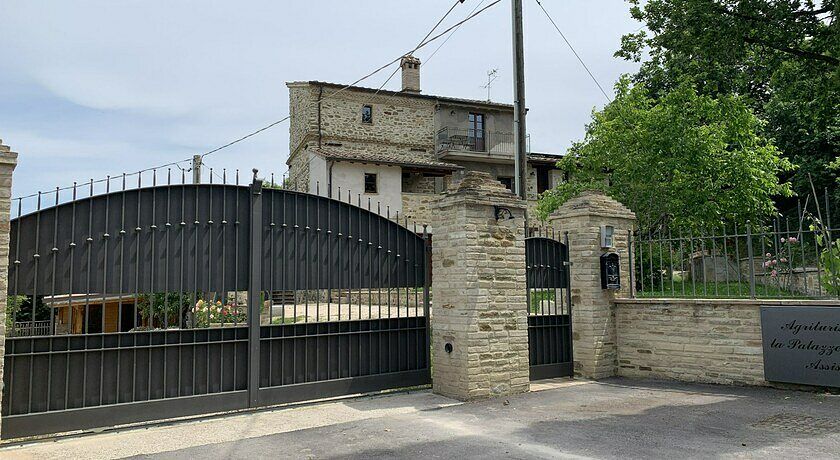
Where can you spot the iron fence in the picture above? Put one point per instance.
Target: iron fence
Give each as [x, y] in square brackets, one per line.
[178, 298]
[788, 257]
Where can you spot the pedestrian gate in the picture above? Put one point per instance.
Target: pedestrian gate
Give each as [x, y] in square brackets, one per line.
[185, 299]
[549, 307]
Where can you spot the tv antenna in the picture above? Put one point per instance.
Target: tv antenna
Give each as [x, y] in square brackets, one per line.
[492, 75]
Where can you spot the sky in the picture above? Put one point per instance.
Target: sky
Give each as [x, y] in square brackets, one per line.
[95, 88]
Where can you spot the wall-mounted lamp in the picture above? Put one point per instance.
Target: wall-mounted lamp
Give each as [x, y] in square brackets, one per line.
[502, 213]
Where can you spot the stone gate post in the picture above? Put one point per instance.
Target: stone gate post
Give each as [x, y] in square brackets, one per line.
[593, 312]
[8, 161]
[479, 316]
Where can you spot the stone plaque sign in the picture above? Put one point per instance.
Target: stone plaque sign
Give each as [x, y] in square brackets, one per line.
[801, 344]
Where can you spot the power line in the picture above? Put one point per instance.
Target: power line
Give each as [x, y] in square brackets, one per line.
[574, 51]
[457, 2]
[450, 35]
[272, 124]
[365, 77]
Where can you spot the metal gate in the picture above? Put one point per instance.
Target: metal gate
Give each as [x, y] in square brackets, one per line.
[184, 299]
[549, 307]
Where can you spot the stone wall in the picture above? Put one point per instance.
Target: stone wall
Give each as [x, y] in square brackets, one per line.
[8, 160]
[419, 207]
[694, 340]
[479, 293]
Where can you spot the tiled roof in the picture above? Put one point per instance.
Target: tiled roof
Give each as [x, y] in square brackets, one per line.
[396, 159]
[545, 157]
[456, 100]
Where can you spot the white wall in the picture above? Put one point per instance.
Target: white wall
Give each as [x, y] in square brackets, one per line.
[351, 176]
[318, 180]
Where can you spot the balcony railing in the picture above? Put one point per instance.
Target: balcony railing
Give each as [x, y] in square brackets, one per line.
[475, 140]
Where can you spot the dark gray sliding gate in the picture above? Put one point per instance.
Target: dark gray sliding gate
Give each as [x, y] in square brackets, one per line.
[185, 299]
[549, 307]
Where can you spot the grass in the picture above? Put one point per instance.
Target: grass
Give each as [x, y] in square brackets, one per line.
[297, 319]
[732, 289]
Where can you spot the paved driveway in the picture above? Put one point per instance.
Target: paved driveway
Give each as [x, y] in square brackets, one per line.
[615, 418]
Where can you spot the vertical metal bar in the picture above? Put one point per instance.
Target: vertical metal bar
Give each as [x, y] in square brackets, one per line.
[427, 261]
[671, 259]
[568, 265]
[790, 262]
[105, 239]
[35, 261]
[631, 267]
[714, 262]
[661, 278]
[70, 307]
[703, 262]
[254, 279]
[799, 218]
[750, 259]
[726, 262]
[641, 264]
[737, 256]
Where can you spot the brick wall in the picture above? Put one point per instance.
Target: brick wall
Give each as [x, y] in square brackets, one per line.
[695, 340]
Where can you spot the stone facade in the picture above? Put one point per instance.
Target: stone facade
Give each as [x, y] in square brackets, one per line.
[419, 207]
[479, 292]
[403, 128]
[593, 314]
[8, 161]
[694, 340]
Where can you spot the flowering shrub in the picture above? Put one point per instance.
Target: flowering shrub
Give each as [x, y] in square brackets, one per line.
[207, 312]
[776, 262]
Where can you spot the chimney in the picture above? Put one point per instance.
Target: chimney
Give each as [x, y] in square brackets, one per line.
[410, 74]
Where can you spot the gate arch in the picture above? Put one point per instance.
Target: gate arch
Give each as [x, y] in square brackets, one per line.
[226, 297]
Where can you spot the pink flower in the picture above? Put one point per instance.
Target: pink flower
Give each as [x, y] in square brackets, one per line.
[774, 273]
[792, 240]
[783, 260]
[768, 255]
[782, 240]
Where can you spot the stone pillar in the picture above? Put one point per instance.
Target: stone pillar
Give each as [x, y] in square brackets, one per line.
[479, 316]
[8, 161]
[593, 313]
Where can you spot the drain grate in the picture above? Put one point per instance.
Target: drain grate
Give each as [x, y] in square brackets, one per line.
[800, 424]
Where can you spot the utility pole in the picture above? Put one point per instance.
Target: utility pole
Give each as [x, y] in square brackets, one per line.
[196, 169]
[519, 132]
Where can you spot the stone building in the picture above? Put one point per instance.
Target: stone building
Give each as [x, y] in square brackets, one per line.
[401, 148]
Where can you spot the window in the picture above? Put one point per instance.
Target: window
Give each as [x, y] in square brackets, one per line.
[475, 132]
[370, 183]
[543, 182]
[367, 114]
[507, 182]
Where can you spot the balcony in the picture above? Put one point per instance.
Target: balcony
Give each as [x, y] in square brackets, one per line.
[475, 145]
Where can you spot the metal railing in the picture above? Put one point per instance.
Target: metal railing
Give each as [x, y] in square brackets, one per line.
[31, 328]
[451, 139]
[785, 258]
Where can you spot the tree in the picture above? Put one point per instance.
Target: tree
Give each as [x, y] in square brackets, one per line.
[781, 56]
[683, 159]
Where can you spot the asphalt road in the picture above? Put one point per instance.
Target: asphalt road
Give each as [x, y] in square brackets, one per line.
[615, 418]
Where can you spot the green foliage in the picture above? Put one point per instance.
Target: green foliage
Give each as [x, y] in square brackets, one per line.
[19, 309]
[162, 309]
[682, 159]
[781, 57]
[829, 258]
[14, 303]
